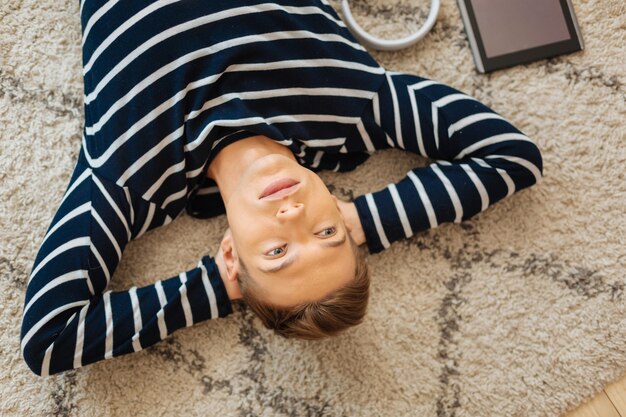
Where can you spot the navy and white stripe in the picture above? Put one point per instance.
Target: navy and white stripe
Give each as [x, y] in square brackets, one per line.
[178, 76]
[70, 319]
[168, 84]
[480, 158]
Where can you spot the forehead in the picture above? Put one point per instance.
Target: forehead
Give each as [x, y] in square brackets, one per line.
[315, 274]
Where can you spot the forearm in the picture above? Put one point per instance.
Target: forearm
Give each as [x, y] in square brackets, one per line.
[69, 320]
[481, 158]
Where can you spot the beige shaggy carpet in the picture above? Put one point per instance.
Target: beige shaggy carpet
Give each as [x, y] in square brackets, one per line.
[519, 312]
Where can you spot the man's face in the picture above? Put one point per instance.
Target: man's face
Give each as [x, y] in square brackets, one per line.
[293, 242]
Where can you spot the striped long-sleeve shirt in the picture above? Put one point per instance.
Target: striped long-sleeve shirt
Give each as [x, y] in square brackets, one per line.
[170, 83]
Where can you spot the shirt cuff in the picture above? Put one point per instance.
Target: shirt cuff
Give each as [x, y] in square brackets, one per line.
[224, 306]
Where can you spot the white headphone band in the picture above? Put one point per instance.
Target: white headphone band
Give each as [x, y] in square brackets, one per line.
[388, 44]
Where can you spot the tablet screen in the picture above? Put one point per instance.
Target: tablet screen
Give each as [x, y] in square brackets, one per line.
[513, 25]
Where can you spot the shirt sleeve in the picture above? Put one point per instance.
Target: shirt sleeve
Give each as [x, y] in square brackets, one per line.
[479, 156]
[69, 318]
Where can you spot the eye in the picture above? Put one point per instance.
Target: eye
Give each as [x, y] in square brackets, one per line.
[276, 251]
[327, 232]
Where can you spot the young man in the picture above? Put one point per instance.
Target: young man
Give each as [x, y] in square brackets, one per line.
[228, 107]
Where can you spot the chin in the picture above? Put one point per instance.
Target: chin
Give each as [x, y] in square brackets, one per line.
[273, 165]
[268, 163]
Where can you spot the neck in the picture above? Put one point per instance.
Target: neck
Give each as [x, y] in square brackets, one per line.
[226, 168]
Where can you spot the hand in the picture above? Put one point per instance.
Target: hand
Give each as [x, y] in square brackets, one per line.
[352, 221]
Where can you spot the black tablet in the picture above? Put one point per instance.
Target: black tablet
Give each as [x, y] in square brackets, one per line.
[503, 33]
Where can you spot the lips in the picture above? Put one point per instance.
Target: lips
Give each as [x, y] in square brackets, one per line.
[279, 188]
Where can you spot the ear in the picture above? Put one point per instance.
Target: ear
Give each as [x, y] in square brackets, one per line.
[229, 254]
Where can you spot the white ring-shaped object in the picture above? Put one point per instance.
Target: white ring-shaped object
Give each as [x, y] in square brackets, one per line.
[389, 44]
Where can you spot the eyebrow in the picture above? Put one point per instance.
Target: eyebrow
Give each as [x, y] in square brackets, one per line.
[291, 260]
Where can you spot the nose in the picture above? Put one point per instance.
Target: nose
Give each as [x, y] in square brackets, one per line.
[290, 210]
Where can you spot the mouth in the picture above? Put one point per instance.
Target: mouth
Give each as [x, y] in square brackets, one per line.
[279, 188]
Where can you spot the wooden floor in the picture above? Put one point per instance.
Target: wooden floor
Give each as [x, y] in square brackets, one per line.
[611, 402]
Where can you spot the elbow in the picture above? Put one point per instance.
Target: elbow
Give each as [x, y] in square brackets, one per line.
[527, 167]
[33, 352]
[34, 360]
[523, 162]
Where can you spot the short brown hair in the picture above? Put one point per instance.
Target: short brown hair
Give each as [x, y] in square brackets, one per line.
[337, 311]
